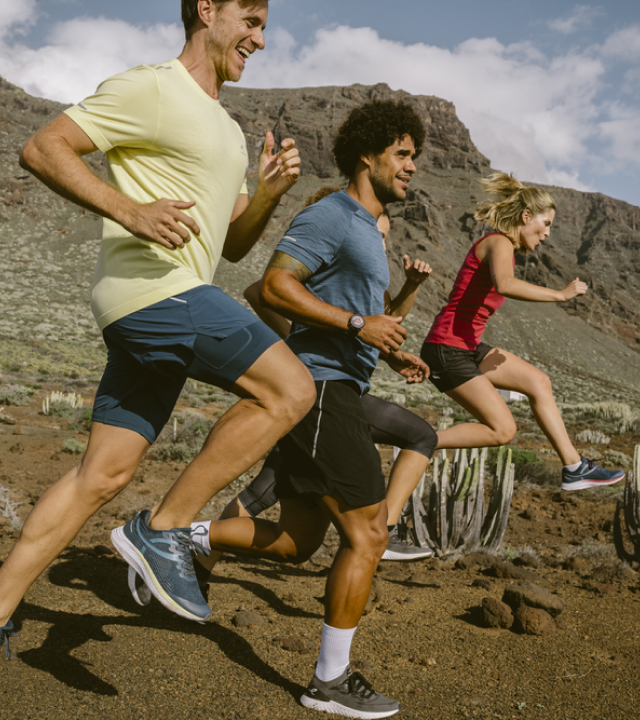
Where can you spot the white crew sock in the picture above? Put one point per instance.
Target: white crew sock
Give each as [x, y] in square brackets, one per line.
[335, 648]
[200, 534]
[574, 467]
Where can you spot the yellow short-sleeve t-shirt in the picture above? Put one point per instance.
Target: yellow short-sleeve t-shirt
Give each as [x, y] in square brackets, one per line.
[164, 137]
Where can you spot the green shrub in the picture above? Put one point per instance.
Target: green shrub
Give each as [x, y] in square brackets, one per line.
[72, 446]
[61, 409]
[182, 437]
[15, 395]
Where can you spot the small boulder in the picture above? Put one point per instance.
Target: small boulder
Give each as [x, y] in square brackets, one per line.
[534, 621]
[483, 583]
[247, 619]
[576, 564]
[496, 613]
[475, 560]
[526, 593]
[507, 571]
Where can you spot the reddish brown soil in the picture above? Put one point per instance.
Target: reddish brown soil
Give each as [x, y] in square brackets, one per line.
[88, 651]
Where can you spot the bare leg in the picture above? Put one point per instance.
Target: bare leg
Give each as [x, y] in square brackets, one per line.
[277, 391]
[363, 536]
[513, 373]
[504, 370]
[298, 534]
[405, 476]
[111, 459]
[363, 540]
[234, 509]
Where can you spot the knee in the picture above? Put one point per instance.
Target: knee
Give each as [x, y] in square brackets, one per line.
[103, 485]
[296, 399]
[296, 552]
[539, 386]
[505, 433]
[372, 541]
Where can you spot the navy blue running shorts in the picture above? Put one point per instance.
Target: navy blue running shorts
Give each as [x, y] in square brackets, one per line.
[201, 334]
[451, 366]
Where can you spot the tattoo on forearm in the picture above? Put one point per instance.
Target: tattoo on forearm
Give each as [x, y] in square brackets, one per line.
[282, 261]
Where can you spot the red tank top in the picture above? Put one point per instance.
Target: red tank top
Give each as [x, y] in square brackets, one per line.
[472, 301]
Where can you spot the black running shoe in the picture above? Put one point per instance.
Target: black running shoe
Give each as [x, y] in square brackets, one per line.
[400, 547]
[349, 695]
[589, 475]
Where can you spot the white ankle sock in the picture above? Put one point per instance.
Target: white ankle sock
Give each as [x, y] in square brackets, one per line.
[574, 467]
[200, 534]
[334, 652]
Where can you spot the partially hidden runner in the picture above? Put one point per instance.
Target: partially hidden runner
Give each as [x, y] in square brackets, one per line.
[329, 274]
[389, 424]
[176, 203]
[468, 370]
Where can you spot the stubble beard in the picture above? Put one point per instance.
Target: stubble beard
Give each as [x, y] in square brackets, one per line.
[385, 191]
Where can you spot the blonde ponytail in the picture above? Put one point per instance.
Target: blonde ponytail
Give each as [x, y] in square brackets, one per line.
[510, 199]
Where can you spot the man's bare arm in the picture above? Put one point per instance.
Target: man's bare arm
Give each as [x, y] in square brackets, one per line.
[54, 155]
[277, 174]
[283, 291]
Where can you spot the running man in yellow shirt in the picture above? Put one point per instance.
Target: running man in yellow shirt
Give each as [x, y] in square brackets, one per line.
[176, 203]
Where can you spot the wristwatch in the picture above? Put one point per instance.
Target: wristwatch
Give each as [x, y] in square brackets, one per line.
[355, 324]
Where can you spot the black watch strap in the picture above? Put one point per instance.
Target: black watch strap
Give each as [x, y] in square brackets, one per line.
[356, 323]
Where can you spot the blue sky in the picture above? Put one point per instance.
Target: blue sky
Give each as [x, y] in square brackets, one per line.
[549, 90]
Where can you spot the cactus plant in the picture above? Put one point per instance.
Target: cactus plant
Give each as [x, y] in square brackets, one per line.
[631, 509]
[449, 516]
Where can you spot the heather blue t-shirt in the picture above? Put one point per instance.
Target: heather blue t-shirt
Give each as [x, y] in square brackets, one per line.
[339, 241]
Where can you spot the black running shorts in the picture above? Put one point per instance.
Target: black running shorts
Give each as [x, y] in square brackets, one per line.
[451, 366]
[331, 450]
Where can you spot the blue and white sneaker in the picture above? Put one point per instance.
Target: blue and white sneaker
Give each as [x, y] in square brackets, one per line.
[6, 632]
[163, 560]
[142, 595]
[589, 475]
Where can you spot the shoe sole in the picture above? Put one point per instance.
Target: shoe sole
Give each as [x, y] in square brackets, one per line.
[142, 595]
[338, 709]
[130, 553]
[584, 484]
[391, 555]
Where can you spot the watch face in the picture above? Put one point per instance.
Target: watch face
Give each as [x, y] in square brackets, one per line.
[357, 322]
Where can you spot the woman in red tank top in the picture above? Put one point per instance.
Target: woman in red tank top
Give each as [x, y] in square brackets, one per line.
[468, 370]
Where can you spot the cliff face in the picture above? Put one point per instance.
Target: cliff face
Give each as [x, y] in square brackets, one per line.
[48, 246]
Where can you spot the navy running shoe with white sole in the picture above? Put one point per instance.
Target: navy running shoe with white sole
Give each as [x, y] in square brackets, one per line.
[142, 595]
[6, 632]
[163, 560]
[589, 475]
[349, 695]
[401, 548]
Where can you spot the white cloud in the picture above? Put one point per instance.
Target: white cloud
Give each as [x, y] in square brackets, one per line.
[525, 112]
[623, 45]
[81, 53]
[545, 118]
[17, 14]
[581, 17]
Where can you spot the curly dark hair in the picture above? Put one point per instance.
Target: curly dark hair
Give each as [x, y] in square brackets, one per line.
[372, 128]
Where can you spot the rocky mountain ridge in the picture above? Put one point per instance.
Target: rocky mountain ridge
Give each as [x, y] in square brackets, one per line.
[48, 246]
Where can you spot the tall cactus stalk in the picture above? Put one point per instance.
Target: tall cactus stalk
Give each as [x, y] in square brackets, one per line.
[449, 515]
[631, 508]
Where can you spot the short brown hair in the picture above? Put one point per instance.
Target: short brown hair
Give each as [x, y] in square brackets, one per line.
[190, 13]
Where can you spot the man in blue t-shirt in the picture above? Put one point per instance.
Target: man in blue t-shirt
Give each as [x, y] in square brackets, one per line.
[328, 275]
